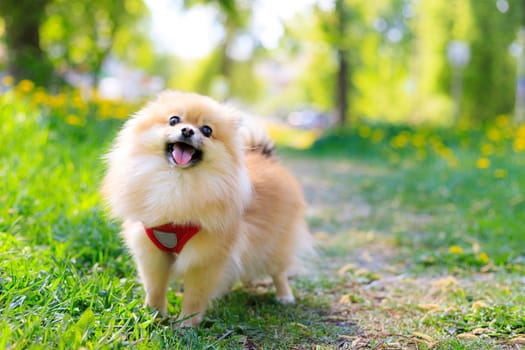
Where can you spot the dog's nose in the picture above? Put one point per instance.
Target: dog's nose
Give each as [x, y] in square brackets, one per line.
[187, 132]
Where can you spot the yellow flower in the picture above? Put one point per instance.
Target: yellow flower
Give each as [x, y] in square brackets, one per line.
[72, 119]
[105, 109]
[455, 250]
[418, 140]
[26, 86]
[8, 80]
[78, 102]
[483, 163]
[121, 112]
[40, 96]
[483, 257]
[494, 134]
[399, 141]
[444, 152]
[364, 131]
[57, 101]
[502, 120]
[519, 145]
[500, 173]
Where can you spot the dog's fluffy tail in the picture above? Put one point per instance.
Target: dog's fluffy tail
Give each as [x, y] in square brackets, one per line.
[255, 138]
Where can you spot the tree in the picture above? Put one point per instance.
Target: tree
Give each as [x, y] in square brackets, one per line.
[46, 37]
[336, 28]
[488, 86]
[81, 34]
[234, 15]
[356, 67]
[26, 59]
[519, 106]
[342, 60]
[489, 76]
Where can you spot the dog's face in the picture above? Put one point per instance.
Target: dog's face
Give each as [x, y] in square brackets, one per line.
[176, 160]
[187, 131]
[185, 141]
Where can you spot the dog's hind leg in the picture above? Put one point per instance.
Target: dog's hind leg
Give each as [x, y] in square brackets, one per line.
[283, 292]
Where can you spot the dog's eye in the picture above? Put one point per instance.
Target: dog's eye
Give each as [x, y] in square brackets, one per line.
[174, 120]
[206, 130]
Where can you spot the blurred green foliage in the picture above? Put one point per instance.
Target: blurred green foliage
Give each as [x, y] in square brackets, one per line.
[396, 50]
[80, 34]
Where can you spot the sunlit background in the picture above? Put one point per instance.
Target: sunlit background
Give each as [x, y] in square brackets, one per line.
[403, 121]
[309, 63]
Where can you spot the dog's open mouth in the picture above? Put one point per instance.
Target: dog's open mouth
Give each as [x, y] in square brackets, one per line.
[182, 154]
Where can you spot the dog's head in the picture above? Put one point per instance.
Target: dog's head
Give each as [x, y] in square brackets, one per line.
[176, 159]
[187, 130]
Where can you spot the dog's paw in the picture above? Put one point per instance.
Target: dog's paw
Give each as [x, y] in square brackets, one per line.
[286, 299]
[190, 321]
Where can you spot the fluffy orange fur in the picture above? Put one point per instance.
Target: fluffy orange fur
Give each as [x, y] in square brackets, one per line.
[250, 209]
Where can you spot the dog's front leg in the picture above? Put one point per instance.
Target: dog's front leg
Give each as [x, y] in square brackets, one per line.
[201, 285]
[153, 265]
[155, 270]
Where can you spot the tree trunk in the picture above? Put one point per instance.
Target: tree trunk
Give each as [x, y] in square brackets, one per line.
[26, 60]
[342, 87]
[342, 59]
[519, 106]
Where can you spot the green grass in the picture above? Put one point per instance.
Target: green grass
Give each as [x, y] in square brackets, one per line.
[66, 280]
[447, 214]
[421, 243]
[479, 210]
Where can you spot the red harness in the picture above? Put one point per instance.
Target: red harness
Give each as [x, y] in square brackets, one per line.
[171, 237]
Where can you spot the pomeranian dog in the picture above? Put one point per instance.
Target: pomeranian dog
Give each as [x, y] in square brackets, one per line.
[202, 197]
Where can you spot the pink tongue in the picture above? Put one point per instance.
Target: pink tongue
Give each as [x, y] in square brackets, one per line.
[182, 155]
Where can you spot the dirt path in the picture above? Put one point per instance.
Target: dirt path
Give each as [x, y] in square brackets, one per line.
[371, 287]
[341, 219]
[356, 257]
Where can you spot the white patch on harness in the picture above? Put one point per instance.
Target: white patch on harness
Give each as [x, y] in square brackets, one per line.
[168, 240]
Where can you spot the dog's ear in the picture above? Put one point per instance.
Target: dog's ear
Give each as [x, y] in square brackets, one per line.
[168, 95]
[234, 116]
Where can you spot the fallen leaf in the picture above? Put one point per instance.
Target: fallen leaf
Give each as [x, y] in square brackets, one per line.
[479, 331]
[345, 269]
[349, 298]
[445, 282]
[488, 268]
[480, 304]
[518, 340]
[429, 307]
[466, 336]
[348, 337]
[423, 336]
[335, 318]
[362, 271]
[299, 325]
